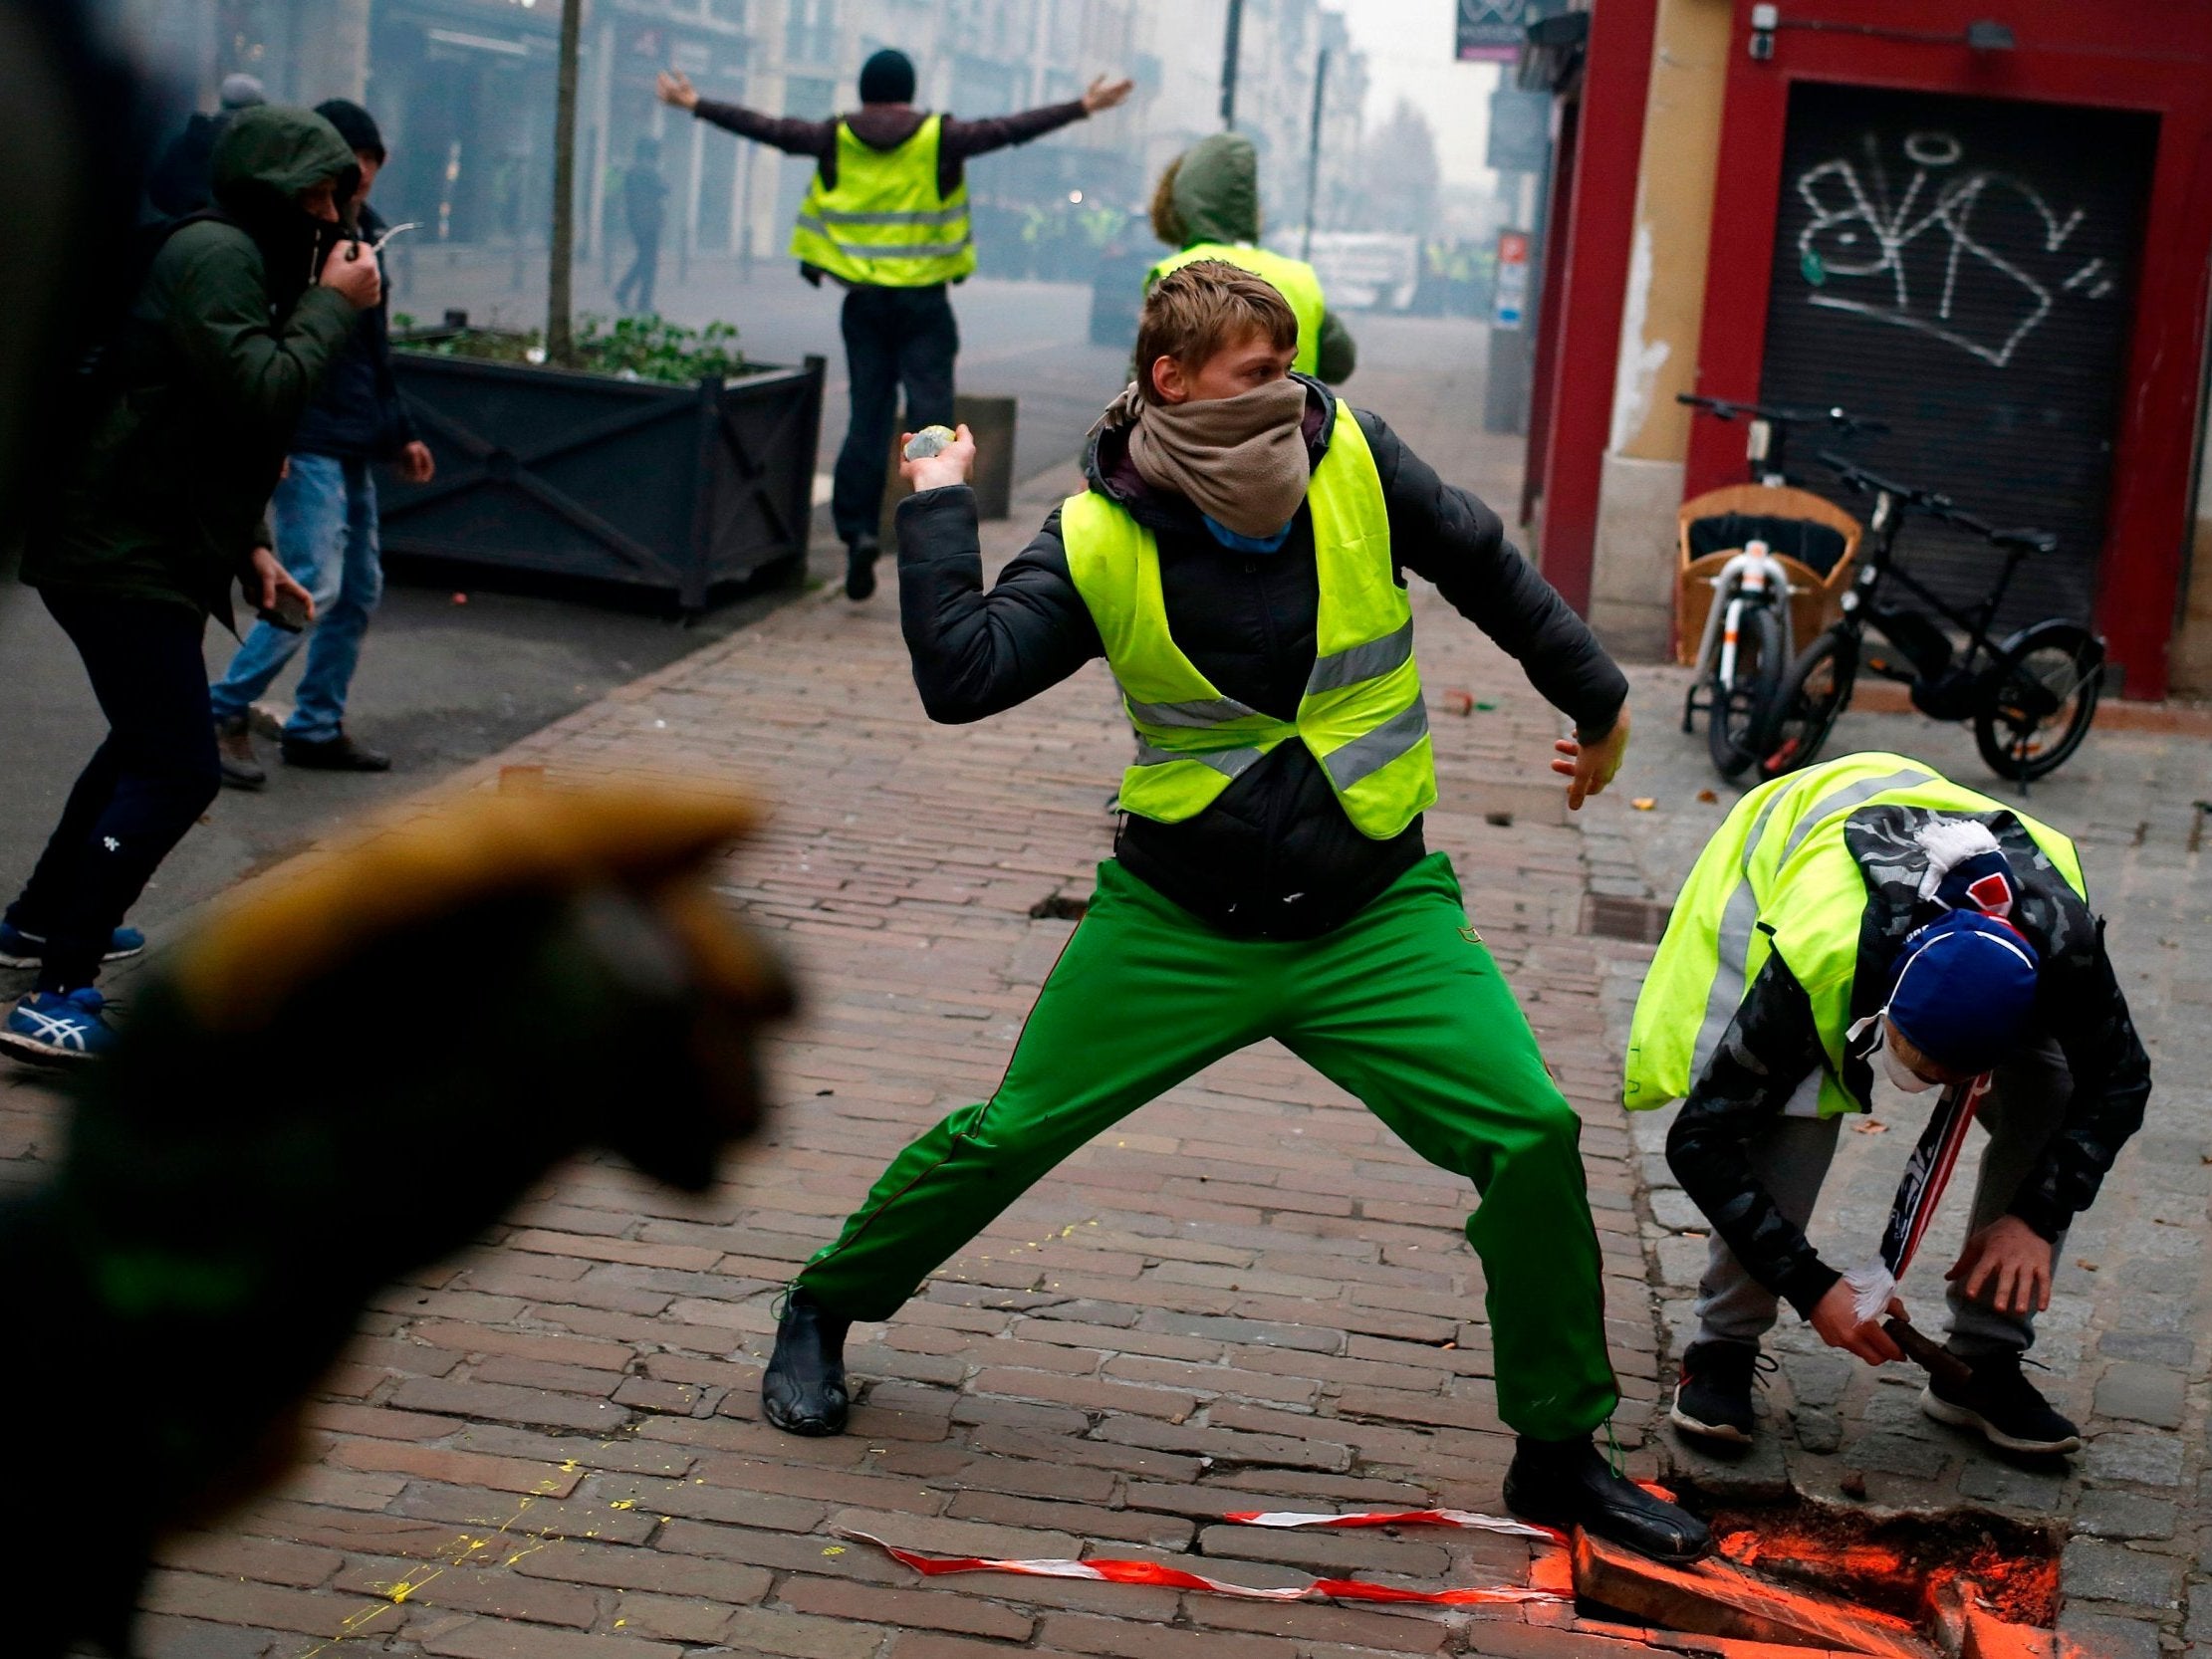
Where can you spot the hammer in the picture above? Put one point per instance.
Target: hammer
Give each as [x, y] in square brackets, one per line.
[1929, 1355]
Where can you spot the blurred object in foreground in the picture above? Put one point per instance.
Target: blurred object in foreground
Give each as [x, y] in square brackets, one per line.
[77, 140]
[349, 1073]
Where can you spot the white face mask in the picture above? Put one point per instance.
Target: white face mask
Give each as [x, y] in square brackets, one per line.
[1899, 1073]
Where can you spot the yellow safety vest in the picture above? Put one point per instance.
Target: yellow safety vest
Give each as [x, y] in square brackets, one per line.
[1361, 713]
[885, 225]
[1778, 879]
[1294, 279]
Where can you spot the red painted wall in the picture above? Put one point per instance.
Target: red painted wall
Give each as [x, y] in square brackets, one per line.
[1590, 283]
[2151, 54]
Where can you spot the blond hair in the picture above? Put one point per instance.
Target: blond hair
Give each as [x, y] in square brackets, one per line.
[1197, 309]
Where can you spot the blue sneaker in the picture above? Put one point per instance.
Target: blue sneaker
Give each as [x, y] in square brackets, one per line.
[19, 949]
[59, 1025]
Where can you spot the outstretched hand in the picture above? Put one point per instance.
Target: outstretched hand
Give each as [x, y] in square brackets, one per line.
[1103, 93]
[674, 88]
[950, 465]
[1589, 767]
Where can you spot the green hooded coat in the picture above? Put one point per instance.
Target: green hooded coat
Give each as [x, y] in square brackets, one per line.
[1216, 198]
[223, 349]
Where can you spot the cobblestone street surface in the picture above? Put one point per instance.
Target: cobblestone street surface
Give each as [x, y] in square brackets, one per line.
[1248, 1297]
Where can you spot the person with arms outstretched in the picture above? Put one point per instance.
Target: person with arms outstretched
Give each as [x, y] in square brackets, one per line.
[888, 218]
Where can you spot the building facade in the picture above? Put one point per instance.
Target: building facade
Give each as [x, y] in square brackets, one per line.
[464, 90]
[1988, 225]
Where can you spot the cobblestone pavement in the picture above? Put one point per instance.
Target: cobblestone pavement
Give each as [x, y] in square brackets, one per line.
[2124, 1339]
[1250, 1295]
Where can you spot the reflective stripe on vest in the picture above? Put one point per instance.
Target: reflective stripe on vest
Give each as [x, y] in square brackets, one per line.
[1361, 713]
[1778, 879]
[885, 225]
[1294, 279]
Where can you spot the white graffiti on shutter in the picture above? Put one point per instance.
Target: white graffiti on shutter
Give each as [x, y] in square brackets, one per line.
[1942, 207]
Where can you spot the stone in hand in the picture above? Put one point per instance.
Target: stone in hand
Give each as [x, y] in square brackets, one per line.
[930, 441]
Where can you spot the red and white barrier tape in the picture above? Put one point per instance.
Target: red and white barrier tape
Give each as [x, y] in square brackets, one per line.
[1314, 1589]
[1465, 1519]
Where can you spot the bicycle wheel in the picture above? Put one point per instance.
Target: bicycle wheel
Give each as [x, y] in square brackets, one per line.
[1740, 714]
[2042, 695]
[1816, 690]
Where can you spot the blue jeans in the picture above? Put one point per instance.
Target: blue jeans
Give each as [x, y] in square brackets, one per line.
[325, 517]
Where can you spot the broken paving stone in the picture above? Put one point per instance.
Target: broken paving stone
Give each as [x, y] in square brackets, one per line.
[1716, 1598]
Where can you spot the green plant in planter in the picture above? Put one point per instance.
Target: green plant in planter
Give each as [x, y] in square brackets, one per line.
[634, 347]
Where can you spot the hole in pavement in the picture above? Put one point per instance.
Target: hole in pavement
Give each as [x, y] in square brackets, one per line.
[1058, 908]
[1898, 1561]
[1810, 1574]
[1640, 921]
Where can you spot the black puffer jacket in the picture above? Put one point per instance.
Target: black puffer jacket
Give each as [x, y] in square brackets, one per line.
[1773, 1045]
[1275, 856]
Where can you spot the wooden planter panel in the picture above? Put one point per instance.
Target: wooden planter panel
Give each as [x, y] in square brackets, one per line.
[671, 488]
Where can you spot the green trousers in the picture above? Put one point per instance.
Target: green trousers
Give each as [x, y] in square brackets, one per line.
[1402, 1007]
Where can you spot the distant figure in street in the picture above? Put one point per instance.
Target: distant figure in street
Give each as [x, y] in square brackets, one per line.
[887, 217]
[1207, 206]
[324, 517]
[644, 208]
[200, 389]
[183, 180]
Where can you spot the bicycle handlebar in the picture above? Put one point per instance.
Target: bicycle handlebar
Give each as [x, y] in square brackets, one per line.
[1785, 413]
[1936, 505]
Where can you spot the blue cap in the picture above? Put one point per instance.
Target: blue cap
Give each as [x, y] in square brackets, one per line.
[1964, 991]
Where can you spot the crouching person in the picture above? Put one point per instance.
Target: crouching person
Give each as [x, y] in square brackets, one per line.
[1869, 917]
[1238, 558]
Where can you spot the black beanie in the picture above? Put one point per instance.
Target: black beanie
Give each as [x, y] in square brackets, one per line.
[888, 77]
[355, 124]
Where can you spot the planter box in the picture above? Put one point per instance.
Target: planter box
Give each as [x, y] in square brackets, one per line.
[557, 472]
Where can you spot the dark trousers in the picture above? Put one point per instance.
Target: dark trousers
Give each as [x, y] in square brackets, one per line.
[144, 788]
[639, 278]
[894, 336]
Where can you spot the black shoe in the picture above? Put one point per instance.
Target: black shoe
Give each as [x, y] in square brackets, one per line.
[333, 753]
[2007, 1408]
[802, 1390]
[1712, 1399]
[234, 749]
[860, 566]
[1566, 1484]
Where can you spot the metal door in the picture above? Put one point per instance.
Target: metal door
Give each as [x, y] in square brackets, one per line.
[1964, 269]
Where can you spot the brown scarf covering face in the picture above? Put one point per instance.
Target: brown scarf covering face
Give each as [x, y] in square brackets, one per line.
[1239, 460]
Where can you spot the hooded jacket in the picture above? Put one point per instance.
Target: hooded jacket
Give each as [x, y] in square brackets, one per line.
[1215, 197]
[1273, 857]
[1773, 1045]
[224, 348]
[884, 127]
